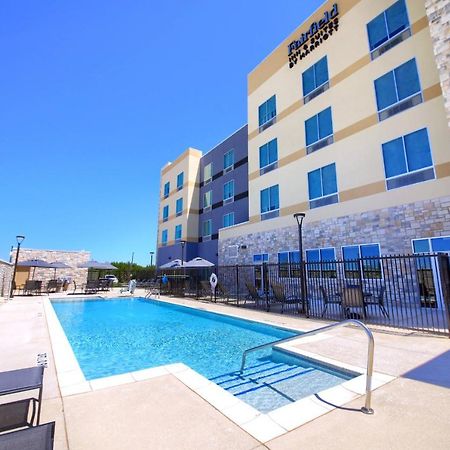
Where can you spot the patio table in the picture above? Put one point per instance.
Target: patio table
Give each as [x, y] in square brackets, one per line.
[22, 380]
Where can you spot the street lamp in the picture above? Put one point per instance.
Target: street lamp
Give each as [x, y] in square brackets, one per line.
[151, 258]
[19, 240]
[299, 218]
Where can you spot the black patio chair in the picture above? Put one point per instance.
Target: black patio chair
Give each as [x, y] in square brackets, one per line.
[34, 438]
[253, 294]
[279, 296]
[378, 300]
[92, 287]
[32, 287]
[329, 299]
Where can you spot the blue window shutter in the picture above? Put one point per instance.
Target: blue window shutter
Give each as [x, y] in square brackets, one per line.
[314, 184]
[264, 200]
[385, 91]
[396, 18]
[308, 81]
[394, 158]
[273, 151]
[407, 79]
[311, 131]
[325, 123]
[263, 156]
[418, 151]
[329, 183]
[321, 71]
[274, 197]
[377, 32]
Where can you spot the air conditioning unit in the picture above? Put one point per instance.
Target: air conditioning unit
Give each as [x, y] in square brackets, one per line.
[315, 93]
[391, 43]
[400, 106]
[320, 144]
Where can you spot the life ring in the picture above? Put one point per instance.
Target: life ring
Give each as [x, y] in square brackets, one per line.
[213, 281]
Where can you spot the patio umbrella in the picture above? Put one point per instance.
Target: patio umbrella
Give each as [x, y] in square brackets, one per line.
[35, 263]
[172, 264]
[96, 265]
[199, 262]
[58, 265]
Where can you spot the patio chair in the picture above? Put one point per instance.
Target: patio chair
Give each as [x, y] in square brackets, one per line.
[32, 287]
[91, 287]
[253, 294]
[329, 299]
[52, 286]
[222, 291]
[205, 289]
[378, 300]
[280, 296]
[352, 297]
[34, 438]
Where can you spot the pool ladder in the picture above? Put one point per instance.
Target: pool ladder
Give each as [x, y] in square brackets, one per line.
[366, 409]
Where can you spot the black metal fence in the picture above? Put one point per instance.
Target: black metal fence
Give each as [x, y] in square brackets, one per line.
[402, 291]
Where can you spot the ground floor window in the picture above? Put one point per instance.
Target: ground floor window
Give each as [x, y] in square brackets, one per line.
[289, 264]
[321, 263]
[361, 261]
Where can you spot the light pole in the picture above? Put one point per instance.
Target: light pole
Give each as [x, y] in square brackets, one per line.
[183, 243]
[151, 258]
[299, 218]
[19, 241]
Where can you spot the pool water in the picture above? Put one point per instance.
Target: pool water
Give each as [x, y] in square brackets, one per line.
[118, 336]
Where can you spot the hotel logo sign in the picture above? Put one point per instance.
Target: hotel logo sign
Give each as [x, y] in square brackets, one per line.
[318, 32]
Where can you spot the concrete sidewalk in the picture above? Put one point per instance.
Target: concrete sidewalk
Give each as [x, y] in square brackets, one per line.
[162, 413]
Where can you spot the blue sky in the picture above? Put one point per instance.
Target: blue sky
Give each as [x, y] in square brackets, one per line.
[97, 95]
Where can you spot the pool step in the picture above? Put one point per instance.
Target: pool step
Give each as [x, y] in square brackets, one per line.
[259, 376]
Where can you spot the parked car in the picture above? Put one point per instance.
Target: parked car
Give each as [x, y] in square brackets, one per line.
[112, 278]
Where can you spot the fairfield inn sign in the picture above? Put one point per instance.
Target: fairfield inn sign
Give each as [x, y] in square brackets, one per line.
[317, 33]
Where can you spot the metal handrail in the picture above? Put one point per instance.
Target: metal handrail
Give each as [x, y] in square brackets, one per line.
[366, 409]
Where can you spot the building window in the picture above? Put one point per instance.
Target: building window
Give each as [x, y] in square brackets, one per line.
[164, 237]
[270, 203]
[228, 191]
[322, 186]
[398, 90]
[289, 264]
[362, 261]
[319, 131]
[166, 189]
[166, 213]
[386, 26]
[267, 112]
[268, 156]
[407, 160]
[207, 173]
[180, 180]
[228, 220]
[260, 258]
[321, 263]
[179, 207]
[228, 161]
[429, 245]
[315, 79]
[178, 232]
[207, 199]
[206, 232]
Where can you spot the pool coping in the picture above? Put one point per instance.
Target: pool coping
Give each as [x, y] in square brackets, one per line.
[262, 426]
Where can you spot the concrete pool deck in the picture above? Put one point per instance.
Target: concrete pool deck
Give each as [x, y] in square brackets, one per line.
[163, 413]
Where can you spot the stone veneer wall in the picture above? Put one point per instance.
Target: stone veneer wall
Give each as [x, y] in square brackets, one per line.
[71, 258]
[6, 272]
[393, 228]
[438, 12]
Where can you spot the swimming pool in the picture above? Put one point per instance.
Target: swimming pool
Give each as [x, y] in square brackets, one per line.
[118, 336]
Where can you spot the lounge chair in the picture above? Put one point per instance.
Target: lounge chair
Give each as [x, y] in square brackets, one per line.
[377, 300]
[34, 438]
[353, 297]
[279, 296]
[253, 295]
[329, 299]
[91, 287]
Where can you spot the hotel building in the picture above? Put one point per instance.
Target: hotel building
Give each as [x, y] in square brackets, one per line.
[200, 194]
[347, 123]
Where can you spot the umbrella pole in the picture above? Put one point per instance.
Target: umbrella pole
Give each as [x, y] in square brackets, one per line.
[34, 270]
